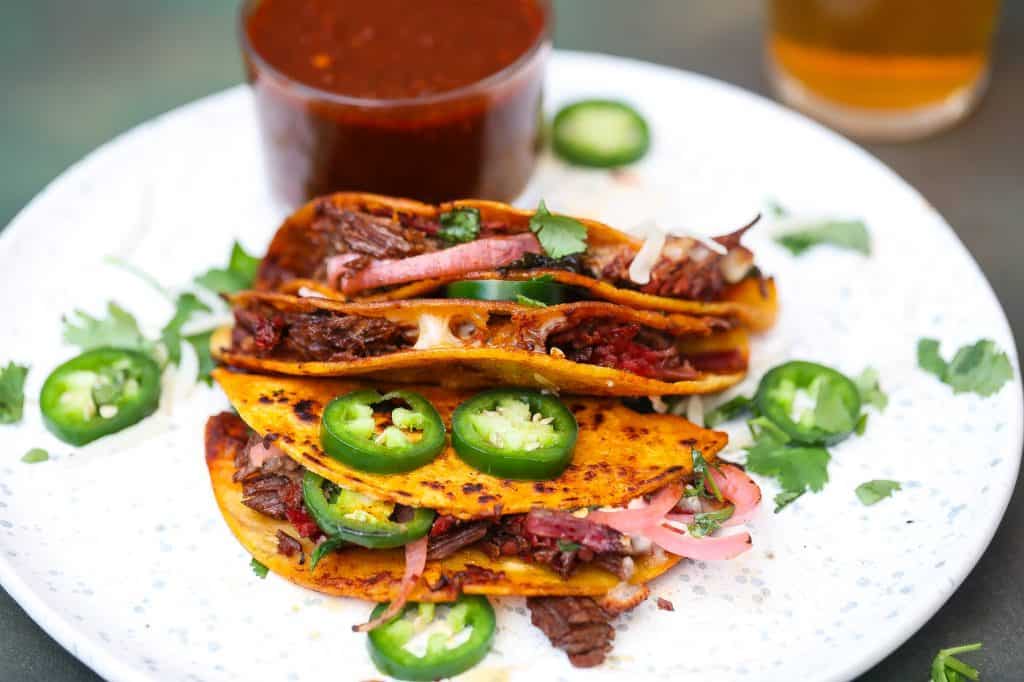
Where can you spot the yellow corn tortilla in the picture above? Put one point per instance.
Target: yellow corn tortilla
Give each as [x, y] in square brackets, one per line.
[300, 250]
[619, 456]
[497, 353]
[375, 575]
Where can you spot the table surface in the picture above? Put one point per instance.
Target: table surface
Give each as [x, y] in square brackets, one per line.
[115, 63]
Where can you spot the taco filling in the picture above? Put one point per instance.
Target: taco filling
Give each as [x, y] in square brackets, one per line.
[360, 250]
[600, 334]
[321, 522]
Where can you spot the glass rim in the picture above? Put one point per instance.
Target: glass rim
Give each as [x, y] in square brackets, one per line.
[538, 47]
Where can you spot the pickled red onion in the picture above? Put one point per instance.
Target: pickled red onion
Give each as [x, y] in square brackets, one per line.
[705, 548]
[633, 520]
[415, 562]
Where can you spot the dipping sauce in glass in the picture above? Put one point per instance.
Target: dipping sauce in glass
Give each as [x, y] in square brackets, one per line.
[428, 99]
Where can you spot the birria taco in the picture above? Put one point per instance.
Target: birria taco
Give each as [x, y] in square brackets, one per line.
[353, 246]
[424, 494]
[591, 347]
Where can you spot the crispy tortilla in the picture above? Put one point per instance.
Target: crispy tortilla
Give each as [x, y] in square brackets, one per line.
[299, 252]
[375, 575]
[618, 456]
[496, 352]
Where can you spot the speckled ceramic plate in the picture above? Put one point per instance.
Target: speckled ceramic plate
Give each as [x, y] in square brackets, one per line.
[118, 550]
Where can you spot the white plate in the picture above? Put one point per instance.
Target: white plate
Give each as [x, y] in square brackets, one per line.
[119, 552]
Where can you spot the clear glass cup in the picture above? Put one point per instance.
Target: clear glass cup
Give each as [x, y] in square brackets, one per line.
[481, 140]
[881, 69]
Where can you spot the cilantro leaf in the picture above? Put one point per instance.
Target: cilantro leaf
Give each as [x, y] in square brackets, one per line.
[558, 235]
[118, 330]
[871, 392]
[706, 523]
[239, 274]
[873, 492]
[946, 667]
[845, 234]
[796, 468]
[460, 225]
[12, 393]
[727, 411]
[566, 546]
[531, 302]
[929, 359]
[703, 480]
[862, 424]
[775, 209]
[258, 568]
[201, 344]
[184, 308]
[783, 499]
[979, 368]
[35, 456]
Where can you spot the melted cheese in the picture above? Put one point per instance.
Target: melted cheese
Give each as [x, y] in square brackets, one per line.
[435, 332]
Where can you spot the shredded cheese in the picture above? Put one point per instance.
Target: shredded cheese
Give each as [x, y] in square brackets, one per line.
[435, 332]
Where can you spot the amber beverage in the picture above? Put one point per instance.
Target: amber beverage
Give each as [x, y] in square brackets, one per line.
[882, 69]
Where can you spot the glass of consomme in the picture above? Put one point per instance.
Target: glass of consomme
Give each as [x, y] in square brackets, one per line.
[425, 99]
[881, 69]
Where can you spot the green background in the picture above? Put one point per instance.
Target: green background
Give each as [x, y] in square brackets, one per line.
[75, 73]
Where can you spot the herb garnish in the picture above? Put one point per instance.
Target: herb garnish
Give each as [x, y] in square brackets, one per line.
[460, 225]
[258, 568]
[706, 523]
[239, 274]
[979, 368]
[796, 468]
[948, 668]
[185, 307]
[845, 234]
[35, 455]
[871, 392]
[873, 492]
[558, 235]
[118, 329]
[12, 392]
[727, 411]
[566, 546]
[703, 481]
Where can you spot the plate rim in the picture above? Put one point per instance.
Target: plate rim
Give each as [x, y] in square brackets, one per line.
[103, 661]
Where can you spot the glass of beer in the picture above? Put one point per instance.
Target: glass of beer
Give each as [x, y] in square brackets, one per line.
[881, 69]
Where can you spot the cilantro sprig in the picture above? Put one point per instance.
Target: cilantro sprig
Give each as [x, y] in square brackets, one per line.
[118, 329]
[845, 234]
[980, 368]
[259, 568]
[460, 225]
[946, 667]
[12, 392]
[239, 274]
[558, 235]
[728, 411]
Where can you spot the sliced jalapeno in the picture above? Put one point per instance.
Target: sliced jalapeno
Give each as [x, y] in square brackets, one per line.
[391, 644]
[831, 402]
[512, 433]
[543, 291]
[384, 434]
[359, 519]
[98, 393]
[600, 133]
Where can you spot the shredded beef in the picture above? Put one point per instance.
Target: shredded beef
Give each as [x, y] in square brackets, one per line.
[628, 346]
[665, 604]
[576, 625]
[264, 331]
[535, 261]
[444, 545]
[686, 269]
[274, 488]
[597, 537]
[368, 234]
[289, 546]
[561, 551]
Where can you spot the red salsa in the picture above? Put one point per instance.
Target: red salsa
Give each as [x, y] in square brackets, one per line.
[430, 99]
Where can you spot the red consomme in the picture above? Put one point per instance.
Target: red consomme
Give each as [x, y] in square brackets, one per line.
[429, 99]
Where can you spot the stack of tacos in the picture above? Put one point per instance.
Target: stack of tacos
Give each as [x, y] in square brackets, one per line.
[364, 460]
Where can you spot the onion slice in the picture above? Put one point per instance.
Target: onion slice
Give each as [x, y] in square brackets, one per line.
[647, 257]
[704, 549]
[633, 520]
[415, 562]
[737, 488]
